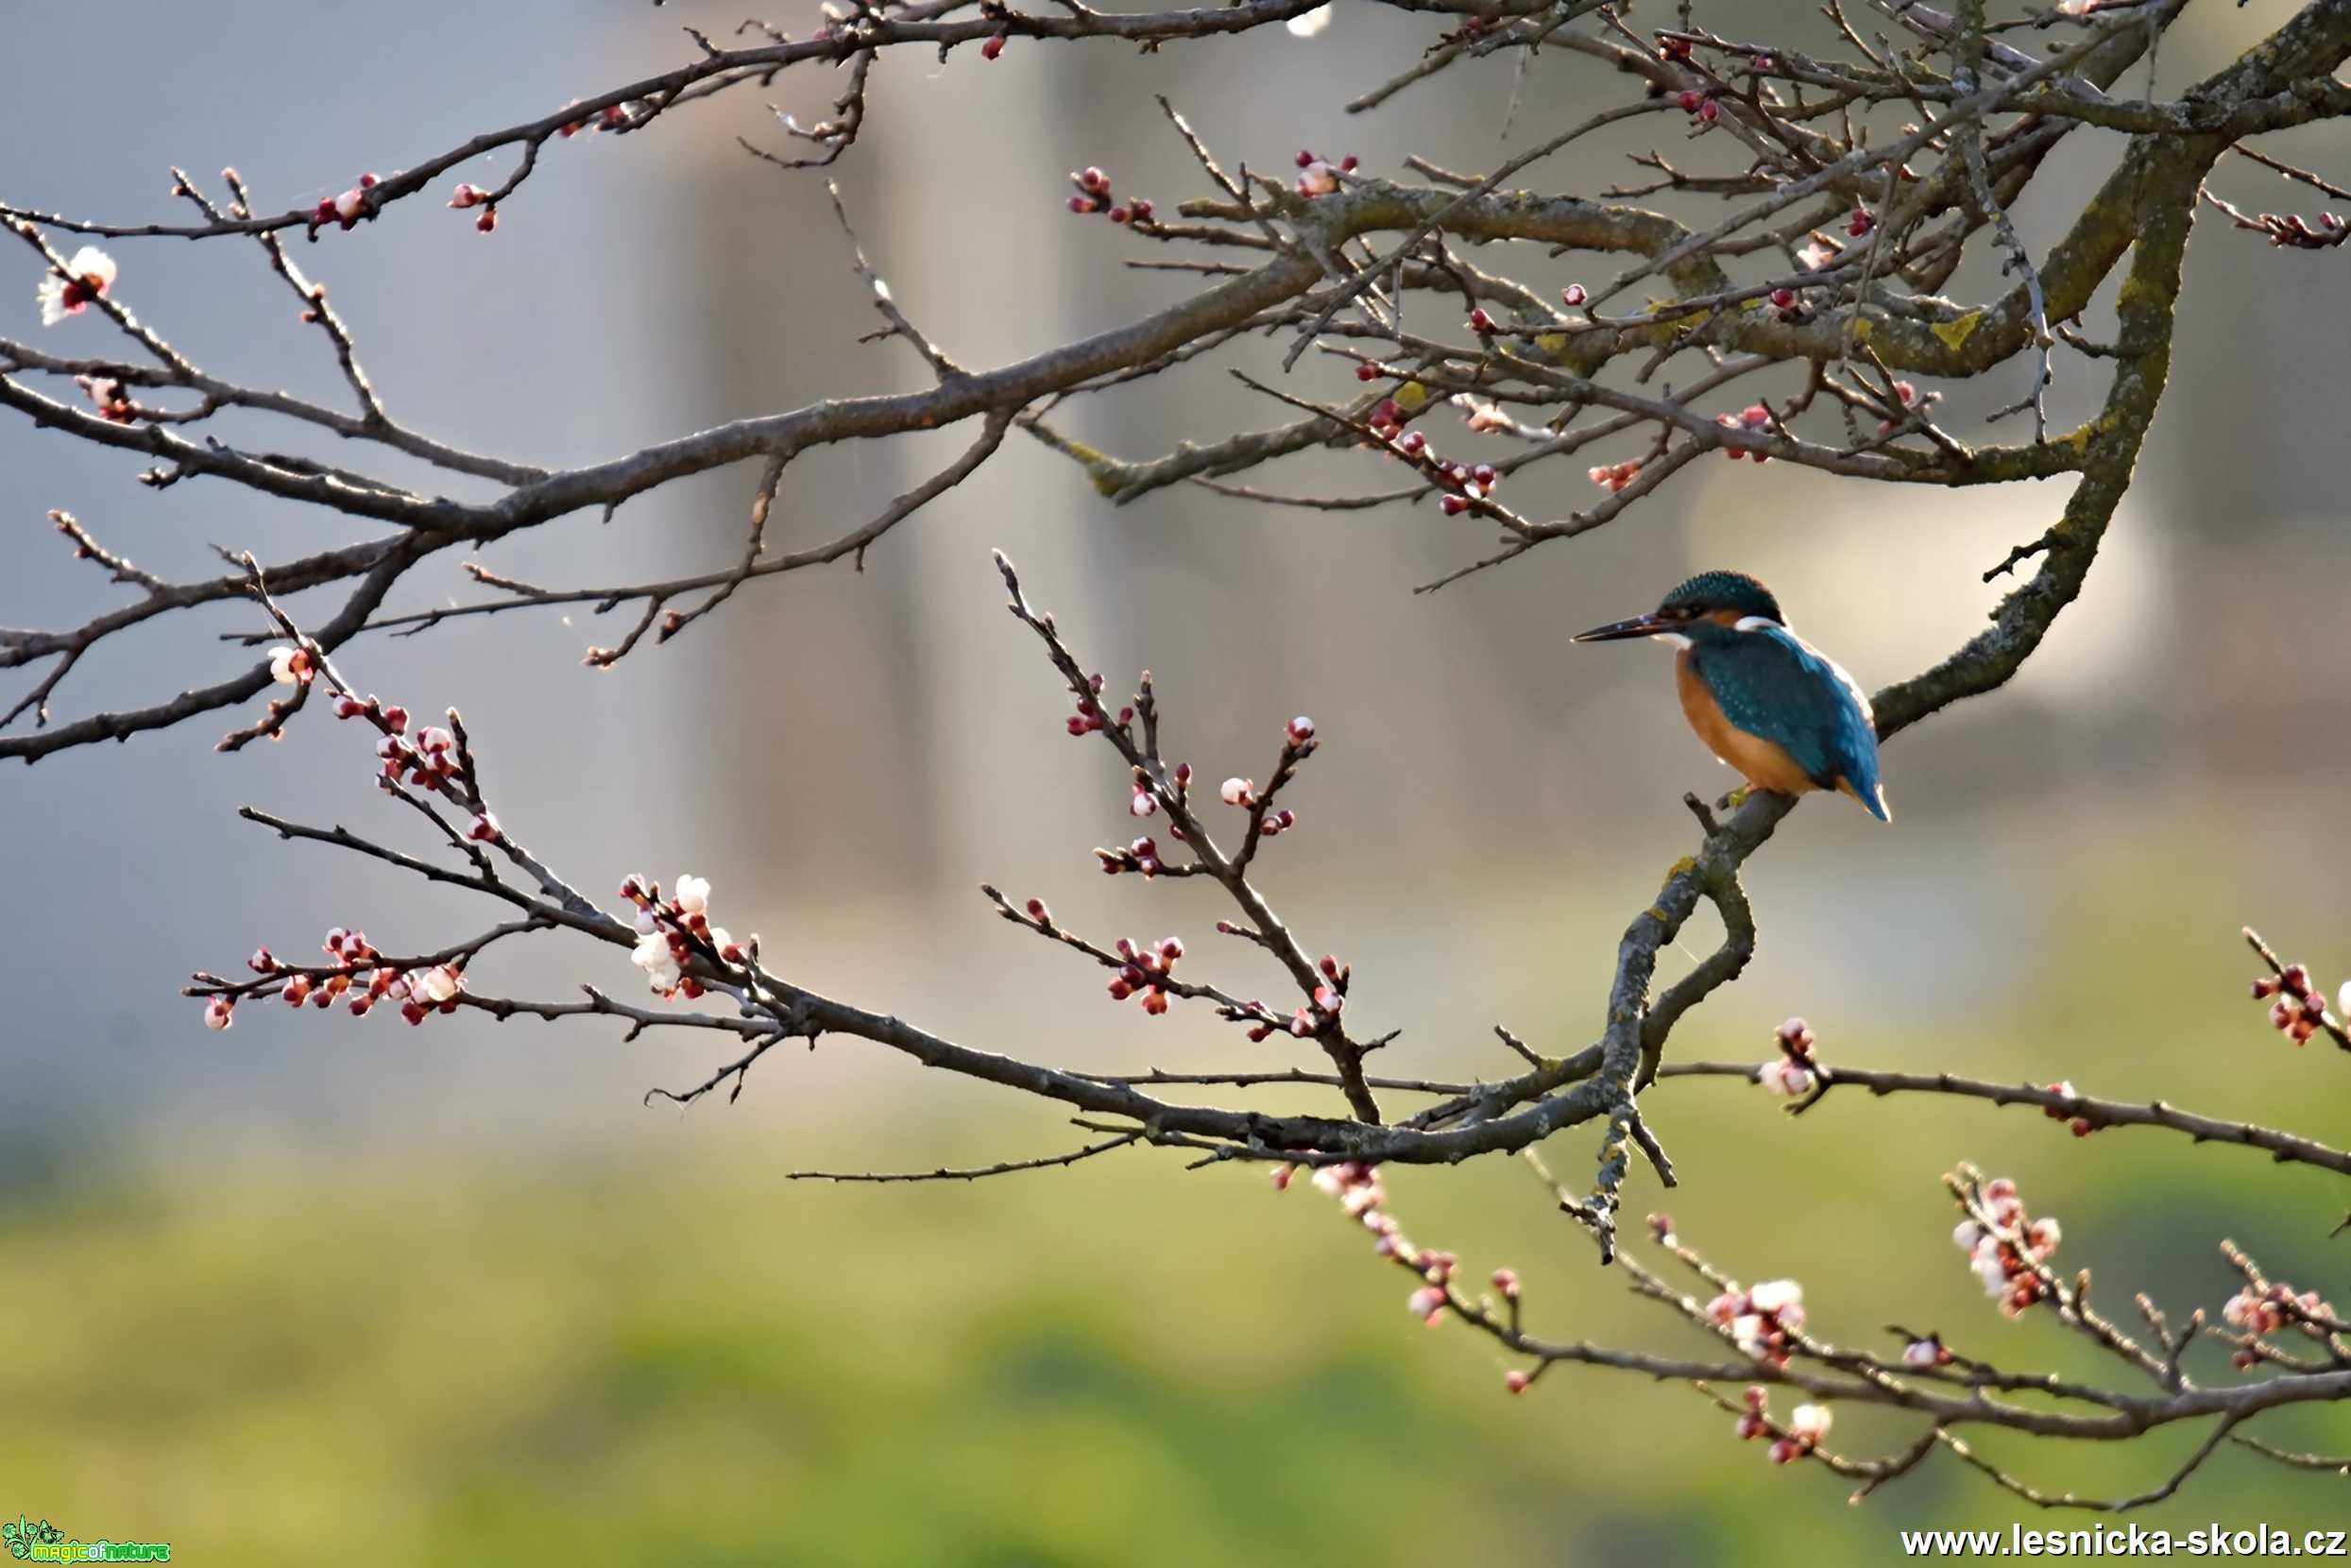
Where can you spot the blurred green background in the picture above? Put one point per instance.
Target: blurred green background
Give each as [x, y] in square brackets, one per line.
[661, 1347]
[314, 1289]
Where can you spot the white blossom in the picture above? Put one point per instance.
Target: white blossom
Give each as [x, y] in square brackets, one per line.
[88, 272]
[1992, 1271]
[1810, 1421]
[1311, 23]
[692, 892]
[653, 956]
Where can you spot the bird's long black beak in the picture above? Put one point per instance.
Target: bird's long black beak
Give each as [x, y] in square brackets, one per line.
[1617, 631]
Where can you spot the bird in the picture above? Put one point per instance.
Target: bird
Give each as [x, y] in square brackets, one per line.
[1767, 702]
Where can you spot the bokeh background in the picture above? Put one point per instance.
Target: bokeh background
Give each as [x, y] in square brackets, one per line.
[322, 1288]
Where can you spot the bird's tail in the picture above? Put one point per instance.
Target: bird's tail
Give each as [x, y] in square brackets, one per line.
[1869, 792]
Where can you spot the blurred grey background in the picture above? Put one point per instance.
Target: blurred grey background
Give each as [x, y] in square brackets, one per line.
[848, 755]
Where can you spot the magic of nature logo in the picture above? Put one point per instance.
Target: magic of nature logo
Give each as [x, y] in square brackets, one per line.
[38, 1540]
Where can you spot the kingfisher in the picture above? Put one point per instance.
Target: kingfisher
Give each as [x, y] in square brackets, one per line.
[1767, 702]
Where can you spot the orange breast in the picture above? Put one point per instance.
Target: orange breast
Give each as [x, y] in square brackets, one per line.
[1764, 764]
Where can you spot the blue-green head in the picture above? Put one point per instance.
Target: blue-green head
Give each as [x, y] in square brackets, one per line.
[1710, 603]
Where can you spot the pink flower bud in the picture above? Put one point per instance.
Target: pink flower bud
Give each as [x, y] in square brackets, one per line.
[219, 1013]
[1572, 295]
[468, 196]
[1516, 1381]
[1238, 791]
[1428, 1302]
[1144, 803]
[992, 47]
